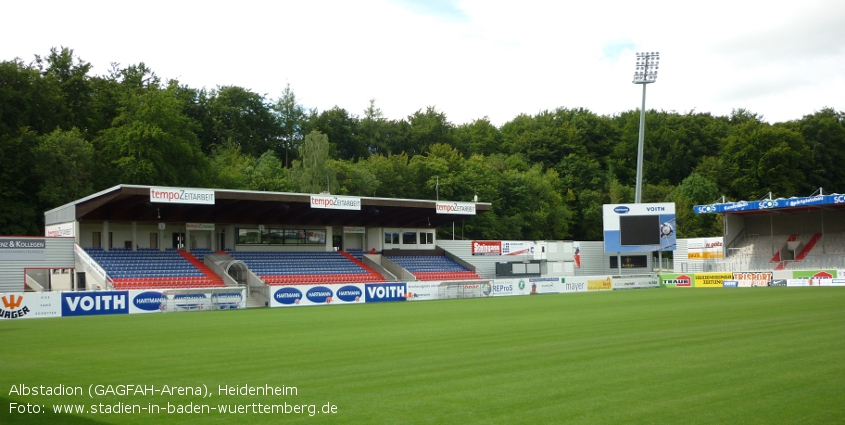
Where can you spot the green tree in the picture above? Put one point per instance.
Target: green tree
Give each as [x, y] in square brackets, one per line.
[354, 178]
[153, 142]
[696, 190]
[290, 116]
[342, 131]
[478, 137]
[230, 167]
[311, 173]
[63, 164]
[244, 117]
[435, 173]
[71, 80]
[532, 206]
[268, 174]
[824, 132]
[425, 129]
[393, 174]
[28, 102]
[373, 132]
[19, 213]
[758, 158]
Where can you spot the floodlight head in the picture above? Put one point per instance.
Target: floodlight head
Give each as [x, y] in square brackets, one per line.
[646, 68]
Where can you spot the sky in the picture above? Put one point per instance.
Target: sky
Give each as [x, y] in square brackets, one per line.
[469, 59]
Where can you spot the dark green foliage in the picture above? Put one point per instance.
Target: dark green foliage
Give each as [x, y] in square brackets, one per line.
[65, 133]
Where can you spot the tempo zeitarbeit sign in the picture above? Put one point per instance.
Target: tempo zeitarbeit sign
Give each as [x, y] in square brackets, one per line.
[328, 202]
[464, 208]
[175, 195]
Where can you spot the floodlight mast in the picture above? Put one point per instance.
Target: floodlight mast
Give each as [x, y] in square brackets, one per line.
[646, 73]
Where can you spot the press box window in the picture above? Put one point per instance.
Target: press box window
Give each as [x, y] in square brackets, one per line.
[409, 238]
[391, 238]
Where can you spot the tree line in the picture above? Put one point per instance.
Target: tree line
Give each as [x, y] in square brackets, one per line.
[66, 133]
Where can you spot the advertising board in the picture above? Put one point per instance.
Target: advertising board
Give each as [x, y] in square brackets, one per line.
[30, 305]
[330, 202]
[750, 279]
[635, 282]
[304, 295]
[94, 303]
[506, 287]
[600, 284]
[178, 195]
[704, 248]
[422, 290]
[674, 280]
[573, 284]
[463, 208]
[713, 280]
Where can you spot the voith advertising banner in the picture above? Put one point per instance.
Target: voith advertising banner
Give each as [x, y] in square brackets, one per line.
[383, 292]
[95, 303]
[30, 305]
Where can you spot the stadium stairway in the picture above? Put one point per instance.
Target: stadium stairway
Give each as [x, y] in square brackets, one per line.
[776, 257]
[805, 251]
[212, 277]
[809, 247]
[375, 275]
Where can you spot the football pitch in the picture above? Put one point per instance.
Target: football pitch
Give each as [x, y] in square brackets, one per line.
[729, 356]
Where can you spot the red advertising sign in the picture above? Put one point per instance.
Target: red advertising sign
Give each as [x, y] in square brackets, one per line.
[486, 247]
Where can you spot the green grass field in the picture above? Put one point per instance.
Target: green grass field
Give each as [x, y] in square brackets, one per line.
[728, 356]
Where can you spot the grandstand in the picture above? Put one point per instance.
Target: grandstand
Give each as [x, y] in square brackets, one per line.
[153, 269]
[433, 267]
[782, 234]
[147, 237]
[306, 267]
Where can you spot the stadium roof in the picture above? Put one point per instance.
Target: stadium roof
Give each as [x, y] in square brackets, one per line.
[834, 201]
[134, 203]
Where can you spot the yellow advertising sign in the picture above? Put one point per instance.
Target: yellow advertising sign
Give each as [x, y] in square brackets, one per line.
[711, 280]
[704, 255]
[600, 285]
